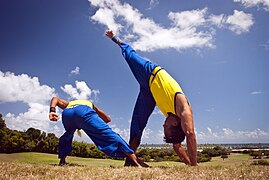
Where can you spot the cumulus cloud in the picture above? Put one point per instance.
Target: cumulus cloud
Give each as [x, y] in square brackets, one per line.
[150, 36]
[188, 19]
[36, 116]
[26, 89]
[188, 29]
[23, 88]
[239, 22]
[124, 133]
[74, 71]
[80, 91]
[227, 135]
[253, 3]
[36, 97]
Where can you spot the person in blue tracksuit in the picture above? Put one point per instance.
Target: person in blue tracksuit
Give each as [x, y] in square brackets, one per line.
[157, 87]
[82, 114]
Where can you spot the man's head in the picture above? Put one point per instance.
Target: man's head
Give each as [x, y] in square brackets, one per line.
[173, 132]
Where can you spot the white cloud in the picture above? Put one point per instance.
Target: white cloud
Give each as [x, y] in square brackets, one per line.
[102, 15]
[26, 89]
[152, 4]
[256, 92]
[218, 20]
[157, 111]
[189, 29]
[211, 110]
[188, 19]
[147, 133]
[124, 133]
[23, 88]
[227, 135]
[239, 22]
[150, 36]
[253, 3]
[148, 136]
[81, 91]
[36, 116]
[74, 71]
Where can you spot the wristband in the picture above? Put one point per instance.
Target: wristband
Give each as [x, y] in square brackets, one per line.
[116, 39]
[52, 109]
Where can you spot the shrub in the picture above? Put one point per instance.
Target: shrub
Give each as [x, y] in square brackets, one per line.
[261, 162]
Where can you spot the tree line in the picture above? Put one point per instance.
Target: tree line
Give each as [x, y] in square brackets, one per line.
[34, 140]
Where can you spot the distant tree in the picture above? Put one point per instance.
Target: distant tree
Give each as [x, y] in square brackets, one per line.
[2, 123]
[51, 143]
[201, 157]
[33, 134]
[224, 156]
[266, 153]
[96, 153]
[256, 154]
[211, 152]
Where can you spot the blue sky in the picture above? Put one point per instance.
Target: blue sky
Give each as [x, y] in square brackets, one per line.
[217, 51]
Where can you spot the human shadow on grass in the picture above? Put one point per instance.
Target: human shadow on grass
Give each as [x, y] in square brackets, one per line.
[68, 164]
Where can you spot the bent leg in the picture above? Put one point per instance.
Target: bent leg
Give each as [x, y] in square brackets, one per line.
[184, 112]
[65, 143]
[102, 135]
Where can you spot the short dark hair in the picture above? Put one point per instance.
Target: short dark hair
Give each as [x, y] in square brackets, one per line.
[175, 134]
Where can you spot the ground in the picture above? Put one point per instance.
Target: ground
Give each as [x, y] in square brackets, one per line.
[44, 166]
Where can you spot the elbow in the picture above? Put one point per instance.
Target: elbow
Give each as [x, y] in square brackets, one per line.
[190, 134]
[54, 97]
[108, 120]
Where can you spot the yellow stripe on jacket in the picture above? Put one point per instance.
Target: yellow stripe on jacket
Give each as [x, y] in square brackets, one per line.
[79, 102]
[164, 88]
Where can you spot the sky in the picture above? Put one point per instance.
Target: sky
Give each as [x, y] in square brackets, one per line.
[218, 51]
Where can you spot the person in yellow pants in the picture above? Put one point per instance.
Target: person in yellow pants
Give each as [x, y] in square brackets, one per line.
[158, 87]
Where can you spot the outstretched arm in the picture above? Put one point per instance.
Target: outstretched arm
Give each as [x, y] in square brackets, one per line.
[179, 149]
[102, 114]
[55, 101]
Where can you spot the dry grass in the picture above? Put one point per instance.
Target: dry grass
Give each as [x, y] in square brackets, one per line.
[235, 167]
[12, 170]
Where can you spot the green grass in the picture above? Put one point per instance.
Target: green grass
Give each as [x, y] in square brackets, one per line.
[43, 158]
[52, 159]
[44, 166]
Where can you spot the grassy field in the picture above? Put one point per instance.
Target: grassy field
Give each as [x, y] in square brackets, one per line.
[44, 166]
